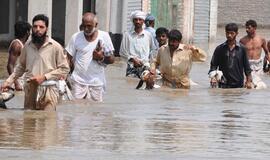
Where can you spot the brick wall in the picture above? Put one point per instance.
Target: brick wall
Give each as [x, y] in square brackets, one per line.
[239, 11]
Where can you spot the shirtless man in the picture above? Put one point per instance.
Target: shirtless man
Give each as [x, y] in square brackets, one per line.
[22, 32]
[254, 44]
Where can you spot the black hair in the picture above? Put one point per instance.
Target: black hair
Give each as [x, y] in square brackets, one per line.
[21, 28]
[175, 34]
[41, 17]
[162, 30]
[231, 27]
[251, 23]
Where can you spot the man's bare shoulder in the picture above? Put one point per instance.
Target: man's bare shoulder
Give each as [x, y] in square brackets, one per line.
[15, 47]
[244, 39]
[260, 38]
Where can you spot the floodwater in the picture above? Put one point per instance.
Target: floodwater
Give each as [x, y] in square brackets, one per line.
[200, 123]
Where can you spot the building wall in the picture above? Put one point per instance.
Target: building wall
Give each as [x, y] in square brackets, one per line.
[239, 11]
[58, 21]
[7, 20]
[168, 13]
[103, 14]
[40, 7]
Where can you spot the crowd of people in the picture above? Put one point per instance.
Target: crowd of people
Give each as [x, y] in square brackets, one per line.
[37, 66]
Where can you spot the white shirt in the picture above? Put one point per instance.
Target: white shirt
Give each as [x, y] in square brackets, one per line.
[153, 33]
[86, 70]
[138, 46]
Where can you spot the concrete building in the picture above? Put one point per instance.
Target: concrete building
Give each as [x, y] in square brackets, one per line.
[242, 10]
[197, 19]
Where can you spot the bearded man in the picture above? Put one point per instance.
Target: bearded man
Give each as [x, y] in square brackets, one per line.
[89, 51]
[42, 59]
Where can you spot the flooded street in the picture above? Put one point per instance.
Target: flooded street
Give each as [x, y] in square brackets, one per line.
[200, 123]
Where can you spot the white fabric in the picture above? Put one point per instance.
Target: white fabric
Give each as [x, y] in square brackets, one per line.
[61, 85]
[86, 70]
[80, 91]
[136, 45]
[217, 74]
[256, 65]
[257, 69]
[137, 14]
[257, 81]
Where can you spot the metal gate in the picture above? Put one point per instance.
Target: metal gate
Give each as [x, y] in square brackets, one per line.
[201, 21]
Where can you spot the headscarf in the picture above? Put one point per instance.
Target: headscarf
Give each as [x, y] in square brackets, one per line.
[137, 14]
[149, 18]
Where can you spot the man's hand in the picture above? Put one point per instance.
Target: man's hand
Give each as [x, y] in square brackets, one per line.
[191, 47]
[137, 62]
[153, 71]
[213, 82]
[248, 85]
[5, 87]
[37, 79]
[98, 55]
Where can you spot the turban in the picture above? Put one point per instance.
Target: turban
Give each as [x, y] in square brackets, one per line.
[150, 18]
[137, 14]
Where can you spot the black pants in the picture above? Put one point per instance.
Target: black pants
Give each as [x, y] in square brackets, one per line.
[227, 85]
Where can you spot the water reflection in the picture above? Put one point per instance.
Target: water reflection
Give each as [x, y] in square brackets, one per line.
[200, 123]
[229, 95]
[35, 130]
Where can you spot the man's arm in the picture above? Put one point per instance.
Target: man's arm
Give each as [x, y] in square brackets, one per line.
[247, 69]
[14, 53]
[268, 45]
[70, 61]
[18, 71]
[266, 49]
[214, 64]
[62, 68]
[197, 53]
[248, 82]
[156, 62]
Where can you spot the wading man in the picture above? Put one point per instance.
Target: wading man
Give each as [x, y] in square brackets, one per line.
[254, 44]
[42, 59]
[137, 46]
[22, 32]
[175, 61]
[231, 59]
[89, 51]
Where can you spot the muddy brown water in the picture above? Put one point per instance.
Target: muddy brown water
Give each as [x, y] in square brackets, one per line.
[200, 123]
